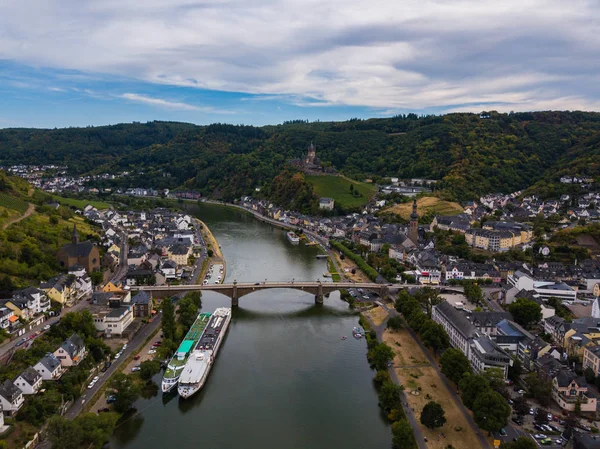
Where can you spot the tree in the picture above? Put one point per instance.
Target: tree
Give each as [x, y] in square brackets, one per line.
[491, 411]
[541, 417]
[126, 392]
[454, 364]
[471, 386]
[495, 376]
[97, 429]
[169, 327]
[433, 415]
[429, 297]
[149, 368]
[589, 375]
[515, 371]
[402, 435]
[64, 433]
[539, 387]
[395, 323]
[525, 311]
[389, 396]
[380, 355]
[188, 309]
[520, 406]
[577, 409]
[473, 293]
[97, 277]
[521, 443]
[434, 336]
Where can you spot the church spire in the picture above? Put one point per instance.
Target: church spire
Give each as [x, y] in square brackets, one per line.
[413, 227]
[75, 235]
[414, 215]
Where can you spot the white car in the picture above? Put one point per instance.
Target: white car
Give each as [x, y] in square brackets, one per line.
[46, 327]
[95, 379]
[539, 436]
[135, 368]
[91, 385]
[118, 355]
[124, 347]
[152, 351]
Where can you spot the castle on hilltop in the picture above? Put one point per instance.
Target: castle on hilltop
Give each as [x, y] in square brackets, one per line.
[309, 162]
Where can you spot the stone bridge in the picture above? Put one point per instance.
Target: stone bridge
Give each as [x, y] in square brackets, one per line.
[237, 289]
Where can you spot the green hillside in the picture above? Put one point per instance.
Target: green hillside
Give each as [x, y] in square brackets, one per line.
[338, 188]
[470, 154]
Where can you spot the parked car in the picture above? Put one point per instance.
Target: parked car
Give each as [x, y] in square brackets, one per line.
[511, 402]
[91, 384]
[152, 351]
[117, 355]
[539, 436]
[104, 410]
[502, 432]
[111, 399]
[46, 327]
[135, 368]
[546, 441]
[137, 357]
[517, 420]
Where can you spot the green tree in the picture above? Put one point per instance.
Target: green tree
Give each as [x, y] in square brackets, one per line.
[541, 417]
[97, 429]
[515, 371]
[495, 377]
[433, 415]
[395, 323]
[149, 368]
[402, 435]
[169, 326]
[434, 336]
[520, 406]
[473, 293]
[97, 277]
[491, 411]
[589, 375]
[380, 355]
[125, 390]
[471, 386]
[539, 387]
[429, 297]
[389, 396]
[521, 443]
[525, 311]
[64, 433]
[454, 364]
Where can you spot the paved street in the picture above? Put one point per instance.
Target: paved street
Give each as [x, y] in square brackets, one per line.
[132, 347]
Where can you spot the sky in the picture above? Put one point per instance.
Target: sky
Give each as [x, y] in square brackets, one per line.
[80, 62]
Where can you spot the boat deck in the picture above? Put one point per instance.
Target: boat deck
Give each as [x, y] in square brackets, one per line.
[181, 355]
[209, 337]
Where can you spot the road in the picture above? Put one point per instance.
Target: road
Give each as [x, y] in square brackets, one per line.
[9, 346]
[451, 388]
[132, 347]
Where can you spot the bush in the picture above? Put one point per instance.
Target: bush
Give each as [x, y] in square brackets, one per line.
[359, 261]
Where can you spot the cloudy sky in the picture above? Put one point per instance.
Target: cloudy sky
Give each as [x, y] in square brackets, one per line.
[81, 62]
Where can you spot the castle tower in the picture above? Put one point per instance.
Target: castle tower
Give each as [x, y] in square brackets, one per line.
[413, 228]
[75, 235]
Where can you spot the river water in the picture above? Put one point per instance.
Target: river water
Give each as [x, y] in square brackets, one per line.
[283, 378]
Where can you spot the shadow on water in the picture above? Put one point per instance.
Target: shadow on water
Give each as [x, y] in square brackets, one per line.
[131, 425]
[313, 311]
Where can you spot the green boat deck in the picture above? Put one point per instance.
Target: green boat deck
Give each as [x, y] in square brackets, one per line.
[187, 345]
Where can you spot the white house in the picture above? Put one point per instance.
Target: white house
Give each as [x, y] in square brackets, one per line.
[49, 367]
[5, 317]
[11, 397]
[115, 321]
[29, 381]
[71, 352]
[326, 203]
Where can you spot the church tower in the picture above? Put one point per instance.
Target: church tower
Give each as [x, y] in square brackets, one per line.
[413, 228]
[75, 235]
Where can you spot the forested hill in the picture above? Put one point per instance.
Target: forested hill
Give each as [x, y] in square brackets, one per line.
[470, 153]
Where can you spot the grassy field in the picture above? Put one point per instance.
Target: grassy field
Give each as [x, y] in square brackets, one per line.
[417, 375]
[11, 202]
[426, 204]
[338, 188]
[80, 204]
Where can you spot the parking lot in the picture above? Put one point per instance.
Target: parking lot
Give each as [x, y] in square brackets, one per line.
[215, 274]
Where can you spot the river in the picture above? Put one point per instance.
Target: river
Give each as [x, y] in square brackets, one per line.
[283, 378]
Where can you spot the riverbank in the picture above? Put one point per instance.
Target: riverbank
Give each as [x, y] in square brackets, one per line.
[216, 258]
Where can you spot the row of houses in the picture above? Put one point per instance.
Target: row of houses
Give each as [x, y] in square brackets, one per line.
[493, 340]
[49, 368]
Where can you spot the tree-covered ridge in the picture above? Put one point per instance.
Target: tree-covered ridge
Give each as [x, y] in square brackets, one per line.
[470, 153]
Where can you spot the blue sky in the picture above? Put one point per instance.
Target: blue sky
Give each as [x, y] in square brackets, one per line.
[88, 62]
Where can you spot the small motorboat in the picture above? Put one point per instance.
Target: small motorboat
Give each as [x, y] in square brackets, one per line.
[357, 332]
[344, 337]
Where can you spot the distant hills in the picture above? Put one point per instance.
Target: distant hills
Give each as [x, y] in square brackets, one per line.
[470, 153]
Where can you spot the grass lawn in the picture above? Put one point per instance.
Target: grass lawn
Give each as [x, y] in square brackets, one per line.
[456, 430]
[426, 204]
[80, 204]
[11, 202]
[338, 188]
[377, 315]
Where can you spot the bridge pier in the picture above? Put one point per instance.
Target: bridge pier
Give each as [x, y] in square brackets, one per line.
[235, 300]
[319, 295]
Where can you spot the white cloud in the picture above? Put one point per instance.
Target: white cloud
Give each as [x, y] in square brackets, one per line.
[387, 54]
[159, 102]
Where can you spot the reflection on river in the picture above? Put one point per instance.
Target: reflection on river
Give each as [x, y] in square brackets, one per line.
[283, 378]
